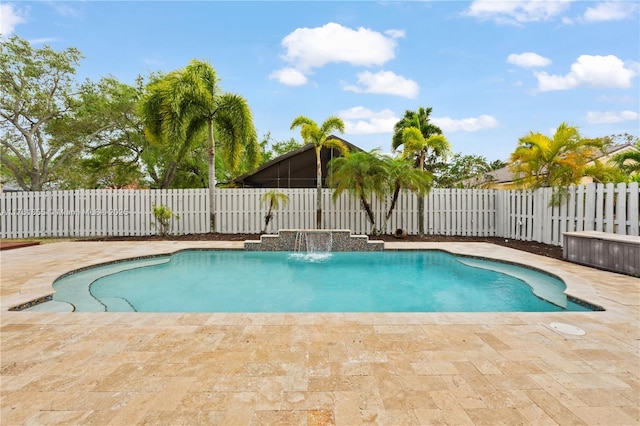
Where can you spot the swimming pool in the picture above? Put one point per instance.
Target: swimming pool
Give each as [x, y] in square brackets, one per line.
[244, 281]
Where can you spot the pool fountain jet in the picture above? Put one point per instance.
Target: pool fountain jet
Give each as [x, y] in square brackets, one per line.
[313, 240]
[313, 246]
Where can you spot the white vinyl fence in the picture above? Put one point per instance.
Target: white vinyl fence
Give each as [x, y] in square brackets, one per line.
[515, 214]
[527, 215]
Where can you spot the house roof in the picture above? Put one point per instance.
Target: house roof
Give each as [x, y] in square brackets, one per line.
[295, 169]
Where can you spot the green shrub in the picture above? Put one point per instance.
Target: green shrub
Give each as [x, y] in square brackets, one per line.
[164, 222]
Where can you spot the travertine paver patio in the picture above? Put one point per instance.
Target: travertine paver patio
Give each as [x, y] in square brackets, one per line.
[297, 369]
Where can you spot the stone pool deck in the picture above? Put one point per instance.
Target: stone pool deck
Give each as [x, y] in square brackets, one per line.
[315, 369]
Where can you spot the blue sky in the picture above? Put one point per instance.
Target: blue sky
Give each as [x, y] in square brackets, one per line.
[491, 70]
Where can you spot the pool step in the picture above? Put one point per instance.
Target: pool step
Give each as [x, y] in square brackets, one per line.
[76, 287]
[52, 306]
[116, 304]
[549, 290]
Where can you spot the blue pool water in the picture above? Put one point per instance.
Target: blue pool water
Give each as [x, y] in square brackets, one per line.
[239, 281]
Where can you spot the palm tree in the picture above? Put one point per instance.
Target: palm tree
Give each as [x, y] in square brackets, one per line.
[318, 136]
[186, 104]
[362, 174]
[419, 119]
[416, 145]
[428, 155]
[495, 165]
[604, 173]
[562, 160]
[274, 199]
[423, 141]
[557, 161]
[400, 174]
[629, 161]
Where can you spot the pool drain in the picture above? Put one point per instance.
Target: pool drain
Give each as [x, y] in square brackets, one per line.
[567, 329]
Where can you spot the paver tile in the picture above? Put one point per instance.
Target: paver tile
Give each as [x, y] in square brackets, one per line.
[317, 368]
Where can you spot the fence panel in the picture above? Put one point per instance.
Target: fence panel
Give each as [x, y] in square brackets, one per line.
[608, 208]
[620, 219]
[405, 213]
[501, 213]
[525, 215]
[632, 226]
[460, 225]
[599, 206]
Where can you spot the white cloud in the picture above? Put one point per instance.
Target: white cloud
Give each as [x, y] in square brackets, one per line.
[610, 11]
[471, 124]
[528, 60]
[308, 48]
[289, 76]
[593, 71]
[396, 33]
[606, 117]
[384, 82]
[517, 11]
[9, 18]
[363, 121]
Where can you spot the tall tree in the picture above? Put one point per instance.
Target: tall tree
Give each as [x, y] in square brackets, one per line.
[189, 171]
[270, 148]
[461, 167]
[430, 156]
[36, 91]
[187, 103]
[423, 141]
[469, 171]
[106, 119]
[282, 147]
[361, 174]
[318, 136]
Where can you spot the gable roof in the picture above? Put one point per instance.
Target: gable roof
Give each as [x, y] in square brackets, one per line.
[295, 169]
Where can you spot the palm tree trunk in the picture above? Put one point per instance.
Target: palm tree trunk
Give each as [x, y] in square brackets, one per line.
[318, 189]
[268, 217]
[394, 201]
[367, 208]
[169, 174]
[212, 178]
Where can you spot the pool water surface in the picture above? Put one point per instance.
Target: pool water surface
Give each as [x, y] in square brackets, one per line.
[244, 281]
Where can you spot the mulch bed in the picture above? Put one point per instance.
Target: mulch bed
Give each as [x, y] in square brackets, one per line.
[9, 245]
[528, 246]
